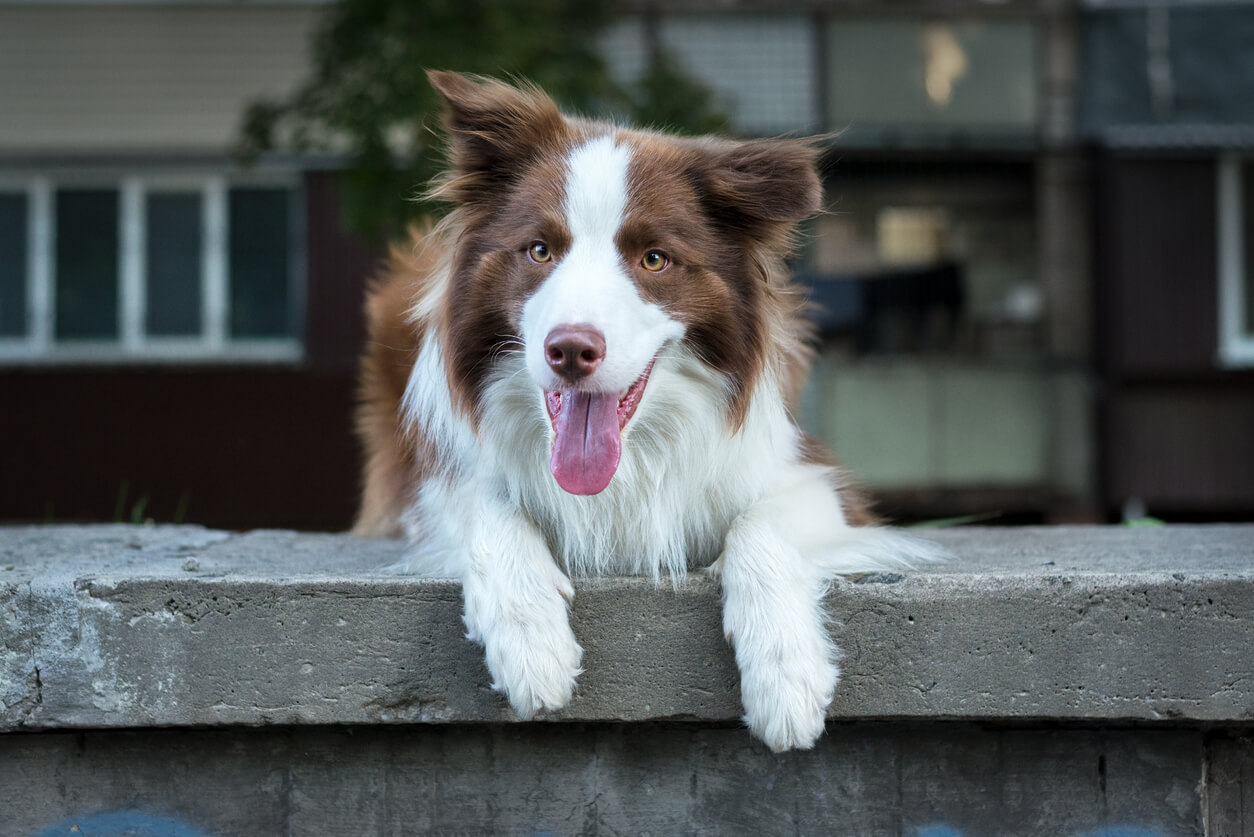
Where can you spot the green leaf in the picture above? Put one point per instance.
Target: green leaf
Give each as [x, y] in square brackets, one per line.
[960, 520]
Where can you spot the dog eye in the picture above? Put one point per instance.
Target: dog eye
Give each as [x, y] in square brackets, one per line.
[539, 252]
[654, 261]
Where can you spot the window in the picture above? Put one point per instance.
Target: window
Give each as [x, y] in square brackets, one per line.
[13, 264]
[259, 263]
[174, 229]
[889, 80]
[942, 261]
[1236, 261]
[929, 77]
[182, 268]
[86, 264]
[760, 67]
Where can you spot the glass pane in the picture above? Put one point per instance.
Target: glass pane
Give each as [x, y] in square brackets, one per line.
[761, 67]
[87, 263]
[938, 263]
[914, 74]
[1247, 192]
[12, 264]
[260, 234]
[173, 264]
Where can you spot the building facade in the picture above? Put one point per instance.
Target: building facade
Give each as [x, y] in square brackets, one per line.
[1032, 278]
[178, 334]
[952, 269]
[1170, 118]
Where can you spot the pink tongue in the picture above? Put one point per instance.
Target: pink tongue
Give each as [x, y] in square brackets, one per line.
[589, 441]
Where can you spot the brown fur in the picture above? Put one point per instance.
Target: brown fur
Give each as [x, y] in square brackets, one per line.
[391, 467]
[723, 212]
[734, 296]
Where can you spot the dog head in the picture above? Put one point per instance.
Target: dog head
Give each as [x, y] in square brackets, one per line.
[590, 248]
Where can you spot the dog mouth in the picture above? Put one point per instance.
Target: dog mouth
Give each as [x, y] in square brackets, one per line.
[588, 433]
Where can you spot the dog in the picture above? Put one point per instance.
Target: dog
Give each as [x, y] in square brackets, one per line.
[587, 368]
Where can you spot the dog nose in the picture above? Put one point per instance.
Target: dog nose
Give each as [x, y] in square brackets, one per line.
[574, 351]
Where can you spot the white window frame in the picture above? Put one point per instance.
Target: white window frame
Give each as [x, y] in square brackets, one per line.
[1236, 337]
[214, 344]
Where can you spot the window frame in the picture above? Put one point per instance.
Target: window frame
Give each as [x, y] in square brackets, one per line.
[214, 344]
[1236, 338]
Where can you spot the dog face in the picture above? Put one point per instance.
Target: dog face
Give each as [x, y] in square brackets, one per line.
[591, 249]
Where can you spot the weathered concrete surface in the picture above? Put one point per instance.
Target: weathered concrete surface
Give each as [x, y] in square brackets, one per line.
[118, 626]
[862, 780]
[1229, 786]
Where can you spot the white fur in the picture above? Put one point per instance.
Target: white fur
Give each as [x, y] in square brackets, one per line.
[688, 492]
[589, 284]
[516, 604]
[428, 401]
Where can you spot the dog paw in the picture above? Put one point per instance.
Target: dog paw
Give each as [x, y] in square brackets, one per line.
[786, 699]
[530, 650]
[535, 666]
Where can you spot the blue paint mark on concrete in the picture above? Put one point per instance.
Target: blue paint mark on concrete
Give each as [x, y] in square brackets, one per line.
[122, 824]
[1109, 831]
[938, 831]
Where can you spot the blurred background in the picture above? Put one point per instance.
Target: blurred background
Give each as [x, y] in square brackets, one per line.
[1035, 277]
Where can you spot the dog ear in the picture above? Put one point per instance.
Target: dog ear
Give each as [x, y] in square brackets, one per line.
[493, 130]
[764, 184]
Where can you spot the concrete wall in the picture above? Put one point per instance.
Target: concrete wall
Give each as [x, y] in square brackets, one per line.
[863, 780]
[181, 681]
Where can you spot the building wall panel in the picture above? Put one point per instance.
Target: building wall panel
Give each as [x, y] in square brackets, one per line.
[1158, 223]
[114, 78]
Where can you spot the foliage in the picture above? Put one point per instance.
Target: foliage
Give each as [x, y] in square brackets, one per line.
[368, 96]
[666, 98]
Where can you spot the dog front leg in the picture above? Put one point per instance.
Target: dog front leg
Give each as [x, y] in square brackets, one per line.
[517, 603]
[773, 615]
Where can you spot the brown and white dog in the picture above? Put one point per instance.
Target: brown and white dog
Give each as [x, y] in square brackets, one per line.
[587, 368]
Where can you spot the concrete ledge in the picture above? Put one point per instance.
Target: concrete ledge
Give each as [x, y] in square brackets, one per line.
[120, 626]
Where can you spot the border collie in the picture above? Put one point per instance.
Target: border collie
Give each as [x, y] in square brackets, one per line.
[588, 368]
